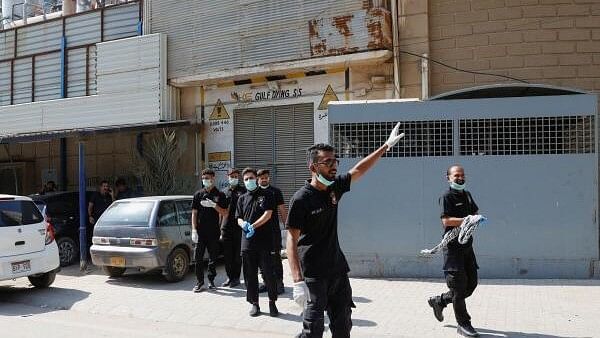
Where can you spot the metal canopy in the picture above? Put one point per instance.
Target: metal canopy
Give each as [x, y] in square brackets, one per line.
[80, 132]
[506, 90]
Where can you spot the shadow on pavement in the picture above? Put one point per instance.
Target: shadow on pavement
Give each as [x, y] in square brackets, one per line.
[514, 334]
[484, 281]
[38, 300]
[359, 299]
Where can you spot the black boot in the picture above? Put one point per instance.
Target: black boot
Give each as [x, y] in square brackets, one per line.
[255, 310]
[434, 302]
[273, 312]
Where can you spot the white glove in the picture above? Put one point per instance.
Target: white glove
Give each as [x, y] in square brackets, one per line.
[301, 294]
[194, 236]
[208, 203]
[394, 137]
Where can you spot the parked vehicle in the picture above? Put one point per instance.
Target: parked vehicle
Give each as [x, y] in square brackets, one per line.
[27, 245]
[145, 233]
[62, 211]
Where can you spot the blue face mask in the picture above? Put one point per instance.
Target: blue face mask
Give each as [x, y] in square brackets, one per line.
[458, 185]
[207, 183]
[250, 185]
[323, 180]
[233, 182]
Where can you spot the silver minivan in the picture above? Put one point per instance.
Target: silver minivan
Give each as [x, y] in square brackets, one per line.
[145, 233]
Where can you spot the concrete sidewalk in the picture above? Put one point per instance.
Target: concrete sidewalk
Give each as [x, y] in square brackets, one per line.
[145, 306]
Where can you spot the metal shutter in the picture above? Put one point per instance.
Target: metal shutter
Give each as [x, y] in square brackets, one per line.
[294, 130]
[275, 138]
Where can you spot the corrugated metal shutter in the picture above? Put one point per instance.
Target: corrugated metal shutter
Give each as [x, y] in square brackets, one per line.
[82, 29]
[232, 34]
[47, 77]
[121, 22]
[76, 72]
[7, 44]
[294, 133]
[39, 38]
[275, 138]
[253, 138]
[92, 71]
[4, 83]
[22, 81]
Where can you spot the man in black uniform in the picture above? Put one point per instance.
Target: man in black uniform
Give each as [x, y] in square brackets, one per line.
[460, 265]
[231, 233]
[319, 268]
[123, 190]
[264, 181]
[254, 214]
[208, 206]
[99, 202]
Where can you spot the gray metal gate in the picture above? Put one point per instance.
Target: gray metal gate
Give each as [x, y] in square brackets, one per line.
[275, 138]
[531, 164]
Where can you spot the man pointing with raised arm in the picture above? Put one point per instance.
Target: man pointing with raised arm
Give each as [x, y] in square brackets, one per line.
[319, 268]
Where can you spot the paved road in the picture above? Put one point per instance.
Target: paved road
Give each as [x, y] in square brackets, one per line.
[137, 305]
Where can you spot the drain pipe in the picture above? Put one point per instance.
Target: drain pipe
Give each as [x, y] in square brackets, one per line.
[395, 46]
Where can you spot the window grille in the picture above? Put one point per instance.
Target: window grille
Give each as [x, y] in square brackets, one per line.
[422, 138]
[527, 136]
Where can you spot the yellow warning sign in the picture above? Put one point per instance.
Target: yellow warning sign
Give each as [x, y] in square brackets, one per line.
[327, 97]
[219, 112]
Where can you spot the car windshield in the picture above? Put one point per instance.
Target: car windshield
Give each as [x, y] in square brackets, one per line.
[14, 213]
[128, 213]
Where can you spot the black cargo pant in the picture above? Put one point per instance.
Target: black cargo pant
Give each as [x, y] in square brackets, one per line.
[461, 283]
[334, 295]
[212, 245]
[232, 245]
[252, 260]
[277, 265]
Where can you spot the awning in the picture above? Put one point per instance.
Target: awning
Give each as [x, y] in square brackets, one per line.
[82, 132]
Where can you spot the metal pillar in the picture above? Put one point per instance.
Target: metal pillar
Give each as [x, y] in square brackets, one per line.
[83, 218]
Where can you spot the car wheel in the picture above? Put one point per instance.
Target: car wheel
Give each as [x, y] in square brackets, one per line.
[113, 271]
[67, 251]
[177, 265]
[44, 280]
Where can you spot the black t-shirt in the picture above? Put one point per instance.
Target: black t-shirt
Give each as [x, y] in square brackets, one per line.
[232, 195]
[251, 206]
[456, 203]
[314, 213]
[208, 218]
[100, 202]
[278, 198]
[127, 193]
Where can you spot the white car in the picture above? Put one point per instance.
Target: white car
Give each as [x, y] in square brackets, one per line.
[27, 245]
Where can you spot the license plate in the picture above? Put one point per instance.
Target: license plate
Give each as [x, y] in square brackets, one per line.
[117, 261]
[20, 267]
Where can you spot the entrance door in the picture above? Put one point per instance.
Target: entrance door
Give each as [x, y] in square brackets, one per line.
[275, 138]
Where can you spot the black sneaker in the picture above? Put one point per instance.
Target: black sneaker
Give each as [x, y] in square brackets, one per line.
[467, 331]
[255, 310]
[262, 288]
[226, 283]
[234, 283]
[199, 287]
[273, 312]
[211, 285]
[437, 308]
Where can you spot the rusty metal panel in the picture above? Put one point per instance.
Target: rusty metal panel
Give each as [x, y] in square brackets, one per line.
[210, 36]
[39, 38]
[350, 33]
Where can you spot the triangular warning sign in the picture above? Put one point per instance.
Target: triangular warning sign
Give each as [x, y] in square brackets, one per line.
[219, 112]
[327, 97]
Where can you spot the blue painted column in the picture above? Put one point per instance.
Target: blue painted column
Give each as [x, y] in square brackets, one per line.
[83, 218]
[63, 66]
